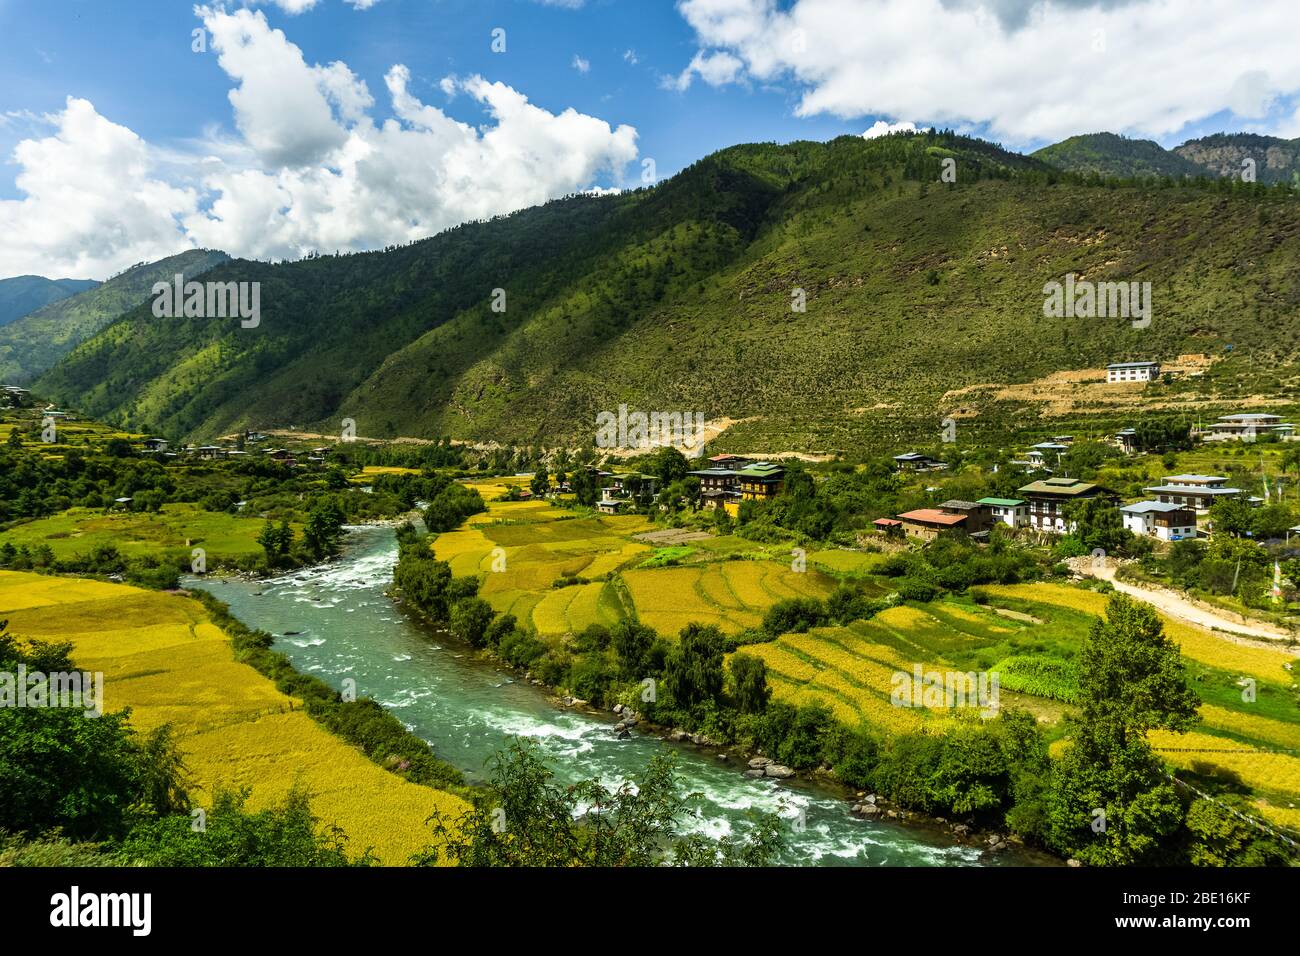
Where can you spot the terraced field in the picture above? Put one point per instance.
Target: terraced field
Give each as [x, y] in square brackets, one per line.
[163, 658]
[521, 549]
[1261, 735]
[851, 669]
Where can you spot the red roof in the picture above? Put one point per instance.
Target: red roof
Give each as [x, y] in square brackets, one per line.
[887, 522]
[932, 516]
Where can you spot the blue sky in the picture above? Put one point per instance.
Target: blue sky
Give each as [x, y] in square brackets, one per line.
[133, 61]
[350, 124]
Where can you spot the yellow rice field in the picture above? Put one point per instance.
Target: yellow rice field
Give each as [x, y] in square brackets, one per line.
[165, 660]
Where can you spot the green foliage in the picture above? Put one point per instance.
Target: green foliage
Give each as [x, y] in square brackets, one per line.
[749, 683]
[526, 819]
[288, 835]
[91, 777]
[693, 672]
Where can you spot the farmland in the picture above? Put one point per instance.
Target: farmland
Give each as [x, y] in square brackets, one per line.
[522, 550]
[169, 533]
[164, 659]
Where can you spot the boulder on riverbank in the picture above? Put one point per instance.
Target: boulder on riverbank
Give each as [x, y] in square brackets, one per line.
[778, 770]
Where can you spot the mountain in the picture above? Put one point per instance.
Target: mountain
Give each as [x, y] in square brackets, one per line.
[31, 344]
[681, 297]
[1117, 156]
[23, 294]
[1276, 160]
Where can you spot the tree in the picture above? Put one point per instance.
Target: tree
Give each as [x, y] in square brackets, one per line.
[1131, 681]
[585, 490]
[693, 672]
[749, 682]
[1098, 524]
[323, 534]
[287, 835]
[90, 777]
[1232, 516]
[470, 620]
[526, 819]
[632, 643]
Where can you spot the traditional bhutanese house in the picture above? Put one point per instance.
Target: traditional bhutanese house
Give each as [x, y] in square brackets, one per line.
[1126, 440]
[1012, 512]
[915, 461]
[1158, 519]
[978, 516]
[1198, 492]
[928, 523]
[1049, 498]
[210, 452]
[154, 445]
[1249, 426]
[624, 482]
[610, 506]
[1046, 453]
[761, 481]
[1132, 372]
[717, 486]
[729, 462]
[888, 525]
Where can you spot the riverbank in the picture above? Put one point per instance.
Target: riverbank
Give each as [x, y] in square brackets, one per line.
[468, 709]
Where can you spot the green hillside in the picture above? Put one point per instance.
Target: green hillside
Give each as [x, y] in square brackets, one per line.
[1107, 154]
[1276, 160]
[23, 294]
[31, 344]
[679, 298]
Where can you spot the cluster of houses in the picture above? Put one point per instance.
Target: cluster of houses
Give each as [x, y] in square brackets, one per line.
[161, 447]
[1042, 506]
[728, 481]
[1169, 513]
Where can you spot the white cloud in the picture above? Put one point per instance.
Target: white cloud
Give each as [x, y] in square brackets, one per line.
[581, 65]
[1031, 71]
[716, 68]
[631, 57]
[882, 128]
[92, 205]
[295, 7]
[309, 170]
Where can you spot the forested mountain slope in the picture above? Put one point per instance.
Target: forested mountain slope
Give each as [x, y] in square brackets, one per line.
[680, 298]
[36, 341]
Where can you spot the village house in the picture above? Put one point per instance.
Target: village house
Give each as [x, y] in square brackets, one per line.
[888, 525]
[1249, 426]
[761, 481]
[926, 524]
[154, 445]
[1132, 372]
[210, 452]
[1198, 492]
[1126, 440]
[1048, 499]
[1046, 454]
[1012, 512]
[729, 462]
[1158, 519]
[915, 461]
[979, 517]
[717, 486]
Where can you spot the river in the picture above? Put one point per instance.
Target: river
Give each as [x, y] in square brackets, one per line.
[347, 627]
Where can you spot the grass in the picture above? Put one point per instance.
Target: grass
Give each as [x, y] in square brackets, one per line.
[170, 533]
[165, 660]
